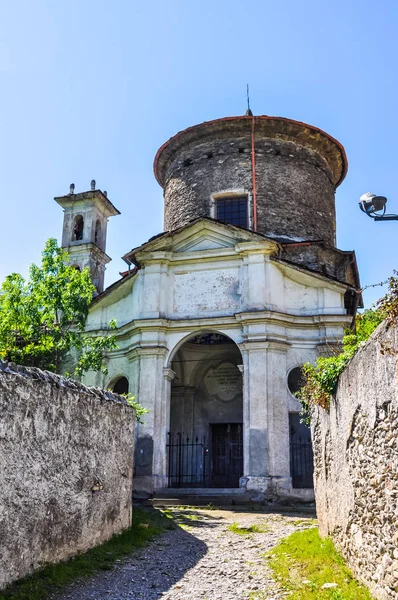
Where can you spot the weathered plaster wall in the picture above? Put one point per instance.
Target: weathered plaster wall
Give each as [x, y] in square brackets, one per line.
[193, 284]
[356, 464]
[66, 455]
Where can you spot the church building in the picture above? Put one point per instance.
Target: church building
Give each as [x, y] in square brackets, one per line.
[217, 314]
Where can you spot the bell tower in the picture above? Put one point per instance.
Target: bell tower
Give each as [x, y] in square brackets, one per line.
[86, 217]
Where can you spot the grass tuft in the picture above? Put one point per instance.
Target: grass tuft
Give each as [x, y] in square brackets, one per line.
[51, 578]
[240, 530]
[303, 562]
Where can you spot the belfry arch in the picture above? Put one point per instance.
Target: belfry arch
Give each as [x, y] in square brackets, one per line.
[206, 413]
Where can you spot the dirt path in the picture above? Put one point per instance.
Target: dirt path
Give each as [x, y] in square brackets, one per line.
[206, 558]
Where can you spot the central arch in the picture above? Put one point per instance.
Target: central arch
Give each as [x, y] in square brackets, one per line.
[205, 446]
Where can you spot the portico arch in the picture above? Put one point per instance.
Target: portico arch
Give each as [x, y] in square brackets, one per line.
[206, 412]
[235, 335]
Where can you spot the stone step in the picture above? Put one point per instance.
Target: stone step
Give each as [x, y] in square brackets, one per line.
[179, 492]
[197, 501]
[231, 503]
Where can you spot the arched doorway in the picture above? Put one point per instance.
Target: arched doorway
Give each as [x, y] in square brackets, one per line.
[205, 446]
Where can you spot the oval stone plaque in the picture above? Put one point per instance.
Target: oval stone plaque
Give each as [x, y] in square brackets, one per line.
[223, 381]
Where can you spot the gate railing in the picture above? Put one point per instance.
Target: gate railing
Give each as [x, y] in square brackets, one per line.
[301, 462]
[187, 461]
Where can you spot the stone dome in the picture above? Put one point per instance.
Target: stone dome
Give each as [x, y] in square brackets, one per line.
[297, 170]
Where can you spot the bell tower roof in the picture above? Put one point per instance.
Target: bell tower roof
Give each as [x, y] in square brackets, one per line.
[97, 197]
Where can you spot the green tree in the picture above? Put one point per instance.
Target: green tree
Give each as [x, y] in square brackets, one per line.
[42, 318]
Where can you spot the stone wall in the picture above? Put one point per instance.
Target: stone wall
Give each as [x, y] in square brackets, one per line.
[66, 468]
[356, 464]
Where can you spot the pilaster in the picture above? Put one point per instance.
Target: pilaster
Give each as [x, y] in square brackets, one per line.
[155, 288]
[153, 387]
[255, 409]
[266, 432]
[278, 414]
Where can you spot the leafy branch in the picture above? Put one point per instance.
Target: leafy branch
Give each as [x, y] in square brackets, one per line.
[42, 319]
[139, 409]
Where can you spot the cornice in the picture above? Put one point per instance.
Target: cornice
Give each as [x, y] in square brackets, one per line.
[264, 344]
[145, 351]
[91, 247]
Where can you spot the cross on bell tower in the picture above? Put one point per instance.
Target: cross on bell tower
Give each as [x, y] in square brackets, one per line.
[86, 217]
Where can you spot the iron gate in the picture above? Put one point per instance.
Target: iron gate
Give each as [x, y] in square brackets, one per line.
[188, 461]
[301, 456]
[227, 455]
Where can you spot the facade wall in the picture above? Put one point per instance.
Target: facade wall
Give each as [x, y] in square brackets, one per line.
[356, 464]
[210, 278]
[242, 279]
[66, 458]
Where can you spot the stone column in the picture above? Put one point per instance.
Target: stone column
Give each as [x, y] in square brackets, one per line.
[278, 419]
[160, 458]
[266, 420]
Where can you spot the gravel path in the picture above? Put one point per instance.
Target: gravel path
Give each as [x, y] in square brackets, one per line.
[200, 560]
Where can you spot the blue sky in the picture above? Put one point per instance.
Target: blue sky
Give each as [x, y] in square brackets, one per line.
[92, 88]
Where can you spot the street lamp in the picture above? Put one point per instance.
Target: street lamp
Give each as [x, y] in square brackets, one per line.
[375, 207]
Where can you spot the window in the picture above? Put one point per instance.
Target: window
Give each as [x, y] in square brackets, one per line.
[295, 380]
[233, 210]
[78, 227]
[97, 235]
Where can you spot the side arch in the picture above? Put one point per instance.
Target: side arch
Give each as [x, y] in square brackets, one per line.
[119, 385]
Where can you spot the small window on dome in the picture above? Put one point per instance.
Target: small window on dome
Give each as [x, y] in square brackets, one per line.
[233, 210]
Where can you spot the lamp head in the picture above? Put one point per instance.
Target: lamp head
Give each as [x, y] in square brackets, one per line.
[371, 204]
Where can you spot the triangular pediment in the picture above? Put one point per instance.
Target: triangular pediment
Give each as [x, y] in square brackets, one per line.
[199, 236]
[207, 239]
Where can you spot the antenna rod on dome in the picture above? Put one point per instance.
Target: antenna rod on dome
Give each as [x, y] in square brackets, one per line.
[248, 112]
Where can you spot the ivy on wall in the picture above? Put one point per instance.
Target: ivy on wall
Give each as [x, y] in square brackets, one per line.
[321, 379]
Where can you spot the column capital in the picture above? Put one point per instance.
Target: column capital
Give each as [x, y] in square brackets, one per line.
[147, 351]
[168, 374]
